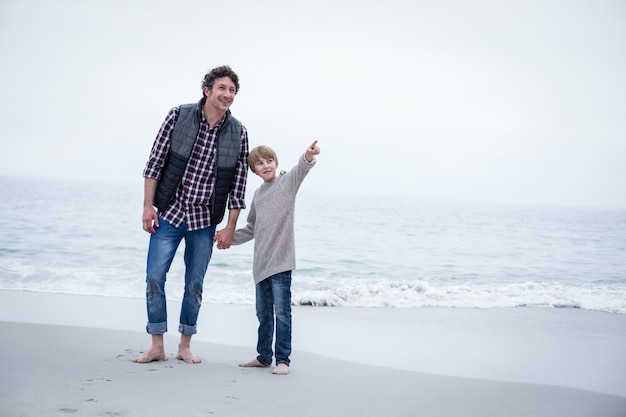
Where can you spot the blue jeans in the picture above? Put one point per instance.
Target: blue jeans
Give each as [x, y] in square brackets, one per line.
[163, 245]
[273, 296]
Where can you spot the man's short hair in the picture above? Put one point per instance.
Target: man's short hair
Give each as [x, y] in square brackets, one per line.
[219, 72]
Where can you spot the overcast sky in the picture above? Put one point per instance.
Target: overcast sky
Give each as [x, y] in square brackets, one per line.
[512, 101]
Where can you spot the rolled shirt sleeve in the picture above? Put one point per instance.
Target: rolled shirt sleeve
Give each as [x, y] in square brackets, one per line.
[161, 147]
[237, 196]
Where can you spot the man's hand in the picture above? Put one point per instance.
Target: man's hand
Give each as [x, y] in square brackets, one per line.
[150, 219]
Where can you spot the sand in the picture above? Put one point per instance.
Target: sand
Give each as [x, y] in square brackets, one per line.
[71, 355]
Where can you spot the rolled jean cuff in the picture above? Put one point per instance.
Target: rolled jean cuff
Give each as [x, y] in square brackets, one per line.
[264, 362]
[157, 328]
[186, 329]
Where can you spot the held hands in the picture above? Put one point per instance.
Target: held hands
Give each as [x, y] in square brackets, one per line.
[224, 238]
[311, 151]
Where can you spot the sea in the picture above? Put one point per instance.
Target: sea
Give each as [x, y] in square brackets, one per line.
[85, 237]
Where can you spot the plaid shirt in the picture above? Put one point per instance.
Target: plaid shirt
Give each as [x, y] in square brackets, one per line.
[191, 202]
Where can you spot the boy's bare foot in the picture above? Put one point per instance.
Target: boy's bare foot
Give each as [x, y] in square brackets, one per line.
[151, 355]
[254, 363]
[281, 369]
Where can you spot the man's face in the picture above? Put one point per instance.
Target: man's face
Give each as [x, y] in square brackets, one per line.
[222, 95]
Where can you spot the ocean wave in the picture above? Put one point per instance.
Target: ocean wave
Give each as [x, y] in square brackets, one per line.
[598, 297]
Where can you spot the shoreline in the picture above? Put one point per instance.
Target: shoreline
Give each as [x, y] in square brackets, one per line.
[526, 354]
[89, 372]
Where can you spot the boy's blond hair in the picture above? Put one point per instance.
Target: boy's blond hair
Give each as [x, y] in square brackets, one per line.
[261, 152]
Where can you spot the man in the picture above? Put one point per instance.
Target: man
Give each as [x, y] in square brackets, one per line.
[197, 165]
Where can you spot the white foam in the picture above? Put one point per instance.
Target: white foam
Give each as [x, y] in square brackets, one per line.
[609, 297]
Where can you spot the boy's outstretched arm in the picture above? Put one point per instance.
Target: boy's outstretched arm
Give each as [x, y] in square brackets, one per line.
[311, 151]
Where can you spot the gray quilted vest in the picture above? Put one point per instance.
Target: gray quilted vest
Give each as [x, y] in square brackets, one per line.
[183, 140]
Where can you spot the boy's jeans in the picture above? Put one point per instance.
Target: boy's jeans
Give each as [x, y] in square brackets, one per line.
[163, 246]
[273, 295]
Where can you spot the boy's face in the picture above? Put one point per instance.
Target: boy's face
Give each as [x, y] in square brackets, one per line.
[266, 169]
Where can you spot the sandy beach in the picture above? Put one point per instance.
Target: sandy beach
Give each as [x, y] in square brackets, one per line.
[69, 354]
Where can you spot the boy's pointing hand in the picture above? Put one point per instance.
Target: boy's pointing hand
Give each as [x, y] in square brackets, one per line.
[311, 151]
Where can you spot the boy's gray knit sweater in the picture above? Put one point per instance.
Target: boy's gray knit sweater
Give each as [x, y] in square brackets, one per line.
[270, 223]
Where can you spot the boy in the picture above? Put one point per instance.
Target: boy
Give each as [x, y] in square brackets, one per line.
[271, 224]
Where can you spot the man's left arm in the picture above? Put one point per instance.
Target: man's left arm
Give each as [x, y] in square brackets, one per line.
[237, 197]
[226, 234]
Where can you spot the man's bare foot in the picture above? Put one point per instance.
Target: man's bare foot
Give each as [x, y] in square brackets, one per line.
[187, 356]
[254, 363]
[281, 369]
[155, 353]
[184, 350]
[151, 355]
